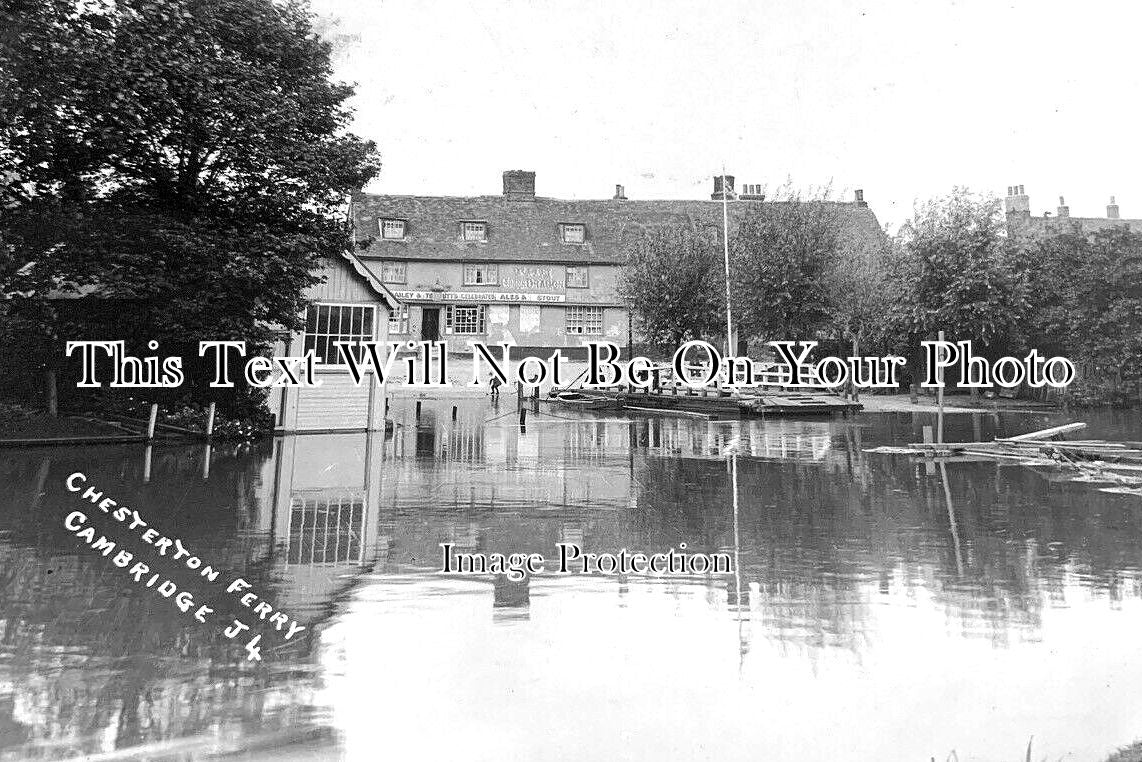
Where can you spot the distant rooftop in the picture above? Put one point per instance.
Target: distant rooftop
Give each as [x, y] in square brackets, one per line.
[524, 227]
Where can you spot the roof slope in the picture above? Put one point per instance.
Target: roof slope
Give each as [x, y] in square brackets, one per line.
[371, 280]
[528, 231]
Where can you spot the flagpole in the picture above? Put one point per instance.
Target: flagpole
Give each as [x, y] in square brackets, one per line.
[726, 255]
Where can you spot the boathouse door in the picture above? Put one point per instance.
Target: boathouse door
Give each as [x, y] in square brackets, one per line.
[430, 324]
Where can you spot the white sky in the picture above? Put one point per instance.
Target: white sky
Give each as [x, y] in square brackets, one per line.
[903, 98]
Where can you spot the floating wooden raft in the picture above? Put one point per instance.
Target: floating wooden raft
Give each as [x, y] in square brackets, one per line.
[707, 402]
[805, 404]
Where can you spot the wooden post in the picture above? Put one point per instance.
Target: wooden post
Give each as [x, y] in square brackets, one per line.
[852, 381]
[151, 422]
[418, 411]
[210, 422]
[522, 418]
[940, 399]
[53, 397]
[453, 412]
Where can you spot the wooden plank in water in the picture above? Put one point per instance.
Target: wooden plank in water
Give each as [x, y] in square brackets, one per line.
[1054, 431]
[668, 411]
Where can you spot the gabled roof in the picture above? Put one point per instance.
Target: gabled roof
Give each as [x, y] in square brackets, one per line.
[528, 231]
[371, 280]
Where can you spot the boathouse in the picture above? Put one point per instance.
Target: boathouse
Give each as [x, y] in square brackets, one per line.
[350, 305]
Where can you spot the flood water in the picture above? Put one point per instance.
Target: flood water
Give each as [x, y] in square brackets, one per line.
[874, 615]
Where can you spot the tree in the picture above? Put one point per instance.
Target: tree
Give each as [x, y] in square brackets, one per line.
[954, 274]
[674, 284]
[187, 160]
[1085, 297]
[860, 293]
[781, 252]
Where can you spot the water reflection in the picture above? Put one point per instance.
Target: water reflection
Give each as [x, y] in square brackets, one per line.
[970, 597]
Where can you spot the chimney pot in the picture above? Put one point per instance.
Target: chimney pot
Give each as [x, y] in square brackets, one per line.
[719, 193]
[1112, 209]
[519, 185]
[858, 195]
[620, 193]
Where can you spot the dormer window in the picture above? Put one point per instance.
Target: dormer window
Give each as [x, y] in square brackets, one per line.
[573, 232]
[392, 230]
[474, 231]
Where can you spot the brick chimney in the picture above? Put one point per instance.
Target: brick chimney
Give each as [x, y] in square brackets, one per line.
[1112, 209]
[1017, 203]
[519, 185]
[1063, 210]
[620, 193]
[718, 193]
[858, 197]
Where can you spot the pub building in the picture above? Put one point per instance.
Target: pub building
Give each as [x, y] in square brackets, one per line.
[533, 272]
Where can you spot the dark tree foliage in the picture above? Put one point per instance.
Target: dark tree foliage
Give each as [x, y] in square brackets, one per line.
[675, 286]
[1085, 294]
[184, 159]
[953, 274]
[781, 253]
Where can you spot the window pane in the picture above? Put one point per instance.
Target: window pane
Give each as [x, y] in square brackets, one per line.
[351, 324]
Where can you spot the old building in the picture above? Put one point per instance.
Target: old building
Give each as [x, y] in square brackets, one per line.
[519, 268]
[1020, 221]
[351, 305]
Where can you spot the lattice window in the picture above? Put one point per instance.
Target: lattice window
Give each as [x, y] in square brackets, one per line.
[394, 272]
[586, 321]
[573, 232]
[398, 320]
[465, 319]
[481, 274]
[474, 231]
[392, 229]
[327, 324]
[576, 277]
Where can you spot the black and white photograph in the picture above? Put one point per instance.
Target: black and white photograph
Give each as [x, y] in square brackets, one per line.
[570, 380]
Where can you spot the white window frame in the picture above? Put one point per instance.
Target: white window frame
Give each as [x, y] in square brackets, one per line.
[577, 322]
[398, 321]
[474, 231]
[586, 282]
[491, 275]
[481, 319]
[566, 227]
[386, 277]
[384, 221]
[331, 337]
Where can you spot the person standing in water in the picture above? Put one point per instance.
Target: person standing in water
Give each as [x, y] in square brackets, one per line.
[494, 382]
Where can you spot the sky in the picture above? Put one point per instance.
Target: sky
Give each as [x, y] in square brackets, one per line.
[903, 99]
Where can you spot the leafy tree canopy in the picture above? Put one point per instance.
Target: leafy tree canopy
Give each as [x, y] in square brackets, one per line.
[674, 285]
[188, 157]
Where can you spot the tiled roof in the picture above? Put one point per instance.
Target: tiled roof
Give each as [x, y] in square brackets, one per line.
[528, 231]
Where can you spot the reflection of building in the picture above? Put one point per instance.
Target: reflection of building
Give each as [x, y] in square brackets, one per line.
[519, 268]
[326, 503]
[1017, 205]
[350, 306]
